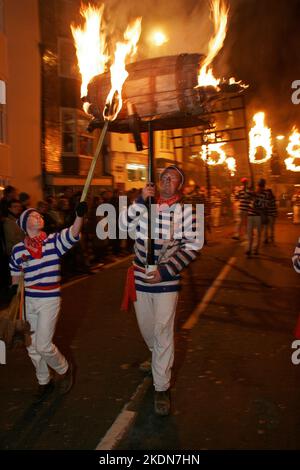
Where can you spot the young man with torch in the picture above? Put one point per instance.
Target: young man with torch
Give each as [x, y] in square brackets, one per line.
[38, 259]
[155, 292]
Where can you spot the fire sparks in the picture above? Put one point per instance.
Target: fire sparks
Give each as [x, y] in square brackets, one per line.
[231, 165]
[260, 140]
[90, 45]
[220, 17]
[293, 149]
[118, 71]
[208, 150]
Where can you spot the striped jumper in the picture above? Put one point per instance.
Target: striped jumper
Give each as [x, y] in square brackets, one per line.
[178, 236]
[42, 276]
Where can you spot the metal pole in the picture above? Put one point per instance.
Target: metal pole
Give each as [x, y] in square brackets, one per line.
[151, 179]
[247, 142]
[94, 161]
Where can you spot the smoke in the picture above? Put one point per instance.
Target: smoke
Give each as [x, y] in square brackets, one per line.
[186, 24]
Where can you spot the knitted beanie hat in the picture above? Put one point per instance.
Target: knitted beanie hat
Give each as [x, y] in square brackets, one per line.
[22, 220]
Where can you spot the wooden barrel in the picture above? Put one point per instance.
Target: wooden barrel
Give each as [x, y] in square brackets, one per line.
[161, 90]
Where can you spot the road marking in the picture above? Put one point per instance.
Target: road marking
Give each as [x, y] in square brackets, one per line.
[201, 307]
[125, 419]
[106, 266]
[117, 430]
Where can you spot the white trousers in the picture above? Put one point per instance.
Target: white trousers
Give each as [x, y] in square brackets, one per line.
[42, 314]
[241, 223]
[155, 315]
[254, 223]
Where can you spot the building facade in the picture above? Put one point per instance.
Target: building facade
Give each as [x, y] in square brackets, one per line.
[20, 96]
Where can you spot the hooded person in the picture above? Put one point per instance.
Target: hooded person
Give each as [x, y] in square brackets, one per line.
[155, 293]
[38, 258]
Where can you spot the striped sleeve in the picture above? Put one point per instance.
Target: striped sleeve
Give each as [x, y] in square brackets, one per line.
[296, 258]
[64, 241]
[190, 243]
[14, 264]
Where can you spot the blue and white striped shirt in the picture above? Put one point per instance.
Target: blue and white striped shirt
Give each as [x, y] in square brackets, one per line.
[42, 276]
[296, 257]
[177, 239]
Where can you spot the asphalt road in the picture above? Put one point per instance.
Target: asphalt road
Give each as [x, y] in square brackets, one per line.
[234, 385]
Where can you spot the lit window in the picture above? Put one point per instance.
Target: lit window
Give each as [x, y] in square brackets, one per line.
[136, 172]
[75, 138]
[67, 59]
[2, 111]
[165, 141]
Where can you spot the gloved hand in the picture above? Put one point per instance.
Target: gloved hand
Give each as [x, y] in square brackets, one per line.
[81, 209]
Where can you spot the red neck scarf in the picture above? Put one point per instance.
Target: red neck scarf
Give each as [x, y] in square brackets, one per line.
[34, 245]
[169, 202]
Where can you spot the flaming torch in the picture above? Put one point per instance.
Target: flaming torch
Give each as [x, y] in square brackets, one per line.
[231, 165]
[207, 151]
[118, 72]
[260, 140]
[90, 48]
[293, 149]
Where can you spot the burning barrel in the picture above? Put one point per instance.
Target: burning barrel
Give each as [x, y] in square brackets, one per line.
[161, 90]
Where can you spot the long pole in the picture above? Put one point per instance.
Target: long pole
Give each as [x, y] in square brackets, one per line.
[94, 161]
[151, 179]
[247, 142]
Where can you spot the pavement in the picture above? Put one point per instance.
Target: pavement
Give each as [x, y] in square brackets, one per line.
[234, 384]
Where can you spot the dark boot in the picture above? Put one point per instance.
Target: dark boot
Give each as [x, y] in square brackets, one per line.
[65, 381]
[43, 391]
[162, 403]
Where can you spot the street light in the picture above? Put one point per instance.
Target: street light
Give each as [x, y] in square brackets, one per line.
[280, 137]
[158, 38]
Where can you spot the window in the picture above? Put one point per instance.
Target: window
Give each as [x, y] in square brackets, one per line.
[67, 59]
[165, 143]
[2, 111]
[75, 138]
[136, 172]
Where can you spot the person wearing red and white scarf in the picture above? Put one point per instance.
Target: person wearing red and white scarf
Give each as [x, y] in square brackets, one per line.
[155, 294]
[38, 258]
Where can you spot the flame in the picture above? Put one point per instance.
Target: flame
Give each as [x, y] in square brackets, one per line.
[90, 45]
[260, 136]
[231, 165]
[207, 150]
[232, 81]
[118, 71]
[293, 149]
[219, 11]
